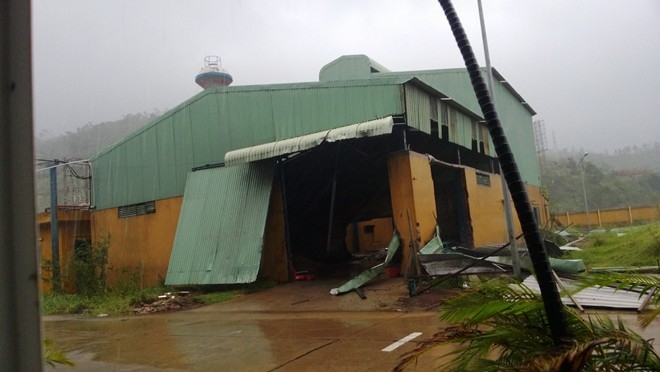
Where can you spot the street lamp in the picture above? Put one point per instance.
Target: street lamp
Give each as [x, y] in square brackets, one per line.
[584, 190]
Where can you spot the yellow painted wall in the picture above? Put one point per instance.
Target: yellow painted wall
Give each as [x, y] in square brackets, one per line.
[141, 243]
[274, 260]
[379, 239]
[72, 225]
[621, 216]
[411, 190]
[486, 204]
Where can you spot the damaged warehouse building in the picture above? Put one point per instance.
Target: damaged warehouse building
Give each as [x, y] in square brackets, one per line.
[238, 181]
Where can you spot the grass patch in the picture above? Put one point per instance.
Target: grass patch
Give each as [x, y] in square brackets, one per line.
[216, 297]
[122, 302]
[632, 247]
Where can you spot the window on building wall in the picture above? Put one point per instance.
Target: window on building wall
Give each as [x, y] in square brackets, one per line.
[139, 209]
[483, 179]
[434, 128]
[475, 136]
[444, 121]
[537, 215]
[445, 132]
[485, 139]
[452, 124]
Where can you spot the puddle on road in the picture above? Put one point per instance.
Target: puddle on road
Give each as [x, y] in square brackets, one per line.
[230, 341]
[143, 341]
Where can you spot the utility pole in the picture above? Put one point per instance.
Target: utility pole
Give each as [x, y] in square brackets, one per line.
[54, 229]
[584, 191]
[506, 199]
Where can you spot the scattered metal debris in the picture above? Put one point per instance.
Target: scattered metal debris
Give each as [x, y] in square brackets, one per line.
[371, 273]
[601, 297]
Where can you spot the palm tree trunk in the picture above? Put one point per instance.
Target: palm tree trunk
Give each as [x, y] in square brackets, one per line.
[549, 292]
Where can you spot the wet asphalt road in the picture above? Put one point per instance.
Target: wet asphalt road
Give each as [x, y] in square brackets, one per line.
[294, 327]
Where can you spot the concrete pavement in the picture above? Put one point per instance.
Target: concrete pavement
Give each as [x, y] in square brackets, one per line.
[293, 327]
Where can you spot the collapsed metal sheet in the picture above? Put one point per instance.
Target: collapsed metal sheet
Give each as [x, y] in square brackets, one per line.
[369, 274]
[595, 296]
[433, 246]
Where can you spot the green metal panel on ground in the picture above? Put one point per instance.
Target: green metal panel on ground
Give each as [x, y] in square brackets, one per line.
[219, 237]
[201, 130]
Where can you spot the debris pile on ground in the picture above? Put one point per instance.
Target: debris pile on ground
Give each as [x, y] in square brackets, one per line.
[168, 302]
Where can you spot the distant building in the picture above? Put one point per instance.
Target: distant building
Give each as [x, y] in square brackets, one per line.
[237, 181]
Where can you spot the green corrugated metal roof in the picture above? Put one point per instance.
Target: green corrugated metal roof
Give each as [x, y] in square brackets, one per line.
[219, 237]
[386, 81]
[201, 130]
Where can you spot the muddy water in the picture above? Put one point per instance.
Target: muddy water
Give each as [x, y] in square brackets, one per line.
[295, 327]
[239, 341]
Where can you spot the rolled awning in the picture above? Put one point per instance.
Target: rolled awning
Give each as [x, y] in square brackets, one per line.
[370, 128]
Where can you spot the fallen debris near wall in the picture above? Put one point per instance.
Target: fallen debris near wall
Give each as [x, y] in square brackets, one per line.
[168, 302]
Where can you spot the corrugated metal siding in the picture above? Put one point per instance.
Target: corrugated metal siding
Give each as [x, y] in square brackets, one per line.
[516, 119]
[418, 110]
[219, 236]
[203, 129]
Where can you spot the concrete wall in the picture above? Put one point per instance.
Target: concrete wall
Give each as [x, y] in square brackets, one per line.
[411, 192]
[486, 205]
[73, 225]
[274, 259]
[369, 235]
[621, 216]
[140, 243]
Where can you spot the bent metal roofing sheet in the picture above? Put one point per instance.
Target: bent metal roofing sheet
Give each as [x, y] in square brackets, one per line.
[370, 128]
[219, 237]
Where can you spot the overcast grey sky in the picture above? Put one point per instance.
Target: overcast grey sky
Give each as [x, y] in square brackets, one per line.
[590, 68]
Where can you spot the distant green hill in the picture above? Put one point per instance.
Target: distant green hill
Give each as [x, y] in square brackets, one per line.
[89, 139]
[86, 141]
[628, 177]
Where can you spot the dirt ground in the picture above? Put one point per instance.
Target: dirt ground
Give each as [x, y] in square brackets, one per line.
[382, 293]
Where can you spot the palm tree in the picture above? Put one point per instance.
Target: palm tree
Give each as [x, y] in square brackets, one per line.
[549, 292]
[500, 325]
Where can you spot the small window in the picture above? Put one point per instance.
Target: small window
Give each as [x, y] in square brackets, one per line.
[445, 132]
[434, 128]
[537, 215]
[483, 179]
[444, 114]
[137, 209]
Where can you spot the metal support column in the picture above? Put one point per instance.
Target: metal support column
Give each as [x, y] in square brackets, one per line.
[20, 323]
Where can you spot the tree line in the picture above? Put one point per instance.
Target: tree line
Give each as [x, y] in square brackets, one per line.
[606, 185]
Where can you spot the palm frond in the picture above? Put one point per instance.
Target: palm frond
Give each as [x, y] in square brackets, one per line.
[54, 356]
[500, 325]
[487, 300]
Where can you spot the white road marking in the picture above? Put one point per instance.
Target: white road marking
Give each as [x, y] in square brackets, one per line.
[402, 341]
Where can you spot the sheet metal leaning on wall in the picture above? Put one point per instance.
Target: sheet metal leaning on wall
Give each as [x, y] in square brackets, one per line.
[219, 236]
